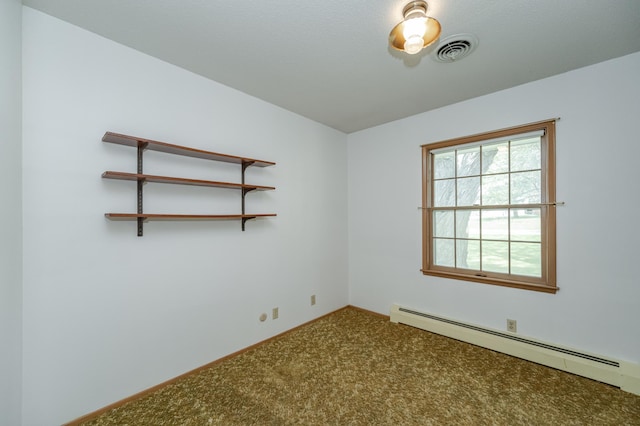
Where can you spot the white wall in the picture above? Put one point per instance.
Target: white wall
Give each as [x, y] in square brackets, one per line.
[10, 212]
[107, 313]
[598, 149]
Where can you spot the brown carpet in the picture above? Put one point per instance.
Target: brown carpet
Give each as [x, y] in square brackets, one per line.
[356, 368]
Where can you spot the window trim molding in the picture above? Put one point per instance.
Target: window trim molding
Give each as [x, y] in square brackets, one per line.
[548, 283]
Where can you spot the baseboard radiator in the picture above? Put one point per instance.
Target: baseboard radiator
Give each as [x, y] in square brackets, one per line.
[625, 375]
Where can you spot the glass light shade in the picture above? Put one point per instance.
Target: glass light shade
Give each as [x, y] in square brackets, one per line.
[413, 45]
[414, 27]
[413, 32]
[417, 31]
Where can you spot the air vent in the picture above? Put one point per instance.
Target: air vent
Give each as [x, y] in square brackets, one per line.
[455, 47]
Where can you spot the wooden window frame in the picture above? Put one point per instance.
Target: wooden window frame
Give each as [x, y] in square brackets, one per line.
[547, 282]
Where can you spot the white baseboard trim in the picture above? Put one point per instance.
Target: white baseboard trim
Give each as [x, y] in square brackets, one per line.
[624, 375]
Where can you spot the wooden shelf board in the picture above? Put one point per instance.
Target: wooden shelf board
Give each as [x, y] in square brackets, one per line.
[181, 181]
[168, 148]
[155, 216]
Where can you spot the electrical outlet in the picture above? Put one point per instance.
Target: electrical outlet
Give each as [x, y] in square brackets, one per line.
[313, 299]
[512, 325]
[274, 313]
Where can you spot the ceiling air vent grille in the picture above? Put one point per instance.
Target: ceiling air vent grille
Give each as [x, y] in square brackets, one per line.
[455, 47]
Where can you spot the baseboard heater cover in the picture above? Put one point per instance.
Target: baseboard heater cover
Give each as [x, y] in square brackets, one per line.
[622, 374]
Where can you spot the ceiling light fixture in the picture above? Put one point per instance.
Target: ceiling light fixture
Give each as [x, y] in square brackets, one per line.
[416, 31]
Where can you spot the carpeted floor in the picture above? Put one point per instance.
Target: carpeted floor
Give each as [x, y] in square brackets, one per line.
[356, 368]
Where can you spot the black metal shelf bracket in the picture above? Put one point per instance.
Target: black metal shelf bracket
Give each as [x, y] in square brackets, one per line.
[245, 164]
[141, 148]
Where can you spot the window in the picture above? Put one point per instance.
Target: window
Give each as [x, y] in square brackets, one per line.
[489, 208]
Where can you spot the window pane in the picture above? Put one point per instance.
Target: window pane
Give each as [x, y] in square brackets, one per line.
[469, 191]
[525, 187]
[468, 224]
[495, 189]
[525, 225]
[495, 224]
[487, 196]
[525, 154]
[445, 194]
[495, 158]
[443, 223]
[468, 254]
[444, 165]
[443, 252]
[495, 256]
[468, 161]
[526, 259]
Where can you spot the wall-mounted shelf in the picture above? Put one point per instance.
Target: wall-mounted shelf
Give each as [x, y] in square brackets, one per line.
[162, 216]
[182, 181]
[141, 178]
[181, 150]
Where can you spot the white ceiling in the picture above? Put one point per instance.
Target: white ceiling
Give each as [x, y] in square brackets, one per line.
[329, 60]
